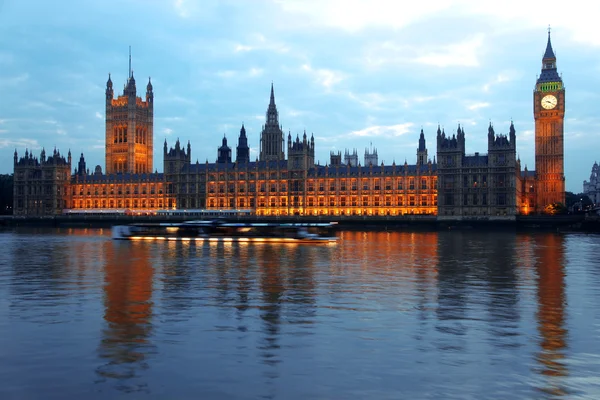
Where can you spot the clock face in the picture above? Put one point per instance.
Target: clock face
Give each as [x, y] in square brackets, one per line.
[549, 102]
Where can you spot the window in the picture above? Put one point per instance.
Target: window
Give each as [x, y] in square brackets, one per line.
[423, 184]
[502, 199]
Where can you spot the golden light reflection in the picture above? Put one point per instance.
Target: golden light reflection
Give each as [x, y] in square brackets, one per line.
[549, 252]
[128, 276]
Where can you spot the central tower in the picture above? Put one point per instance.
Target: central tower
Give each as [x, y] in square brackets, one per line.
[129, 129]
[271, 137]
[549, 113]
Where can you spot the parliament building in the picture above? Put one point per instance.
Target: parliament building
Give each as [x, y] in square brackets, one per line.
[285, 180]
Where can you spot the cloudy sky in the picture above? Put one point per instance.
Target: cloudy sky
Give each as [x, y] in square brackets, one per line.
[352, 72]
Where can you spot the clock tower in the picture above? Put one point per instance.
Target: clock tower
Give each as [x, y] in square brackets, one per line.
[549, 113]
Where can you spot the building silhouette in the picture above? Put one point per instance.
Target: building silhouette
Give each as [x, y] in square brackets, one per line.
[454, 185]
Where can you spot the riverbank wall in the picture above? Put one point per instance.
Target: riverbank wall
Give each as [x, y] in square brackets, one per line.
[577, 222]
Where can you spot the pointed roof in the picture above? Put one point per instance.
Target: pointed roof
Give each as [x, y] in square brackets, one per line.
[272, 100]
[243, 131]
[549, 72]
[549, 53]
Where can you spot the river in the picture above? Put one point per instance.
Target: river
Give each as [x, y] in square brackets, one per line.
[379, 315]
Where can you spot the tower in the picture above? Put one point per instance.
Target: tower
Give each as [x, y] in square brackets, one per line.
[422, 150]
[224, 152]
[129, 128]
[549, 114]
[301, 153]
[271, 137]
[242, 154]
[450, 156]
[371, 157]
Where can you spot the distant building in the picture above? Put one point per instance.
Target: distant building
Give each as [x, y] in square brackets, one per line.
[591, 188]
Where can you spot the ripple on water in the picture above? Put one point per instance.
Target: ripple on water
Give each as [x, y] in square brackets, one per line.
[381, 315]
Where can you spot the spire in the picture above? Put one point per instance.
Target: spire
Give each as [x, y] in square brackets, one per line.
[129, 75]
[549, 53]
[149, 86]
[549, 73]
[491, 130]
[422, 146]
[243, 132]
[272, 100]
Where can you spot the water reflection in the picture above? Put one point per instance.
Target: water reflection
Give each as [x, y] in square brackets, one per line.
[125, 341]
[454, 265]
[549, 252]
[272, 289]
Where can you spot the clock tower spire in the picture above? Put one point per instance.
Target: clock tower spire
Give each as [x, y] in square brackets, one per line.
[549, 114]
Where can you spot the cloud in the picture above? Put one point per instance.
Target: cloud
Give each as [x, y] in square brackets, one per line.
[241, 48]
[250, 73]
[324, 77]
[98, 115]
[259, 42]
[355, 15]
[168, 119]
[389, 131]
[462, 54]
[226, 73]
[183, 8]
[500, 78]
[20, 143]
[167, 131]
[14, 80]
[477, 106]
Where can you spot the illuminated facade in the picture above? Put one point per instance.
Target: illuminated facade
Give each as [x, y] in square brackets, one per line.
[129, 140]
[549, 113]
[456, 186]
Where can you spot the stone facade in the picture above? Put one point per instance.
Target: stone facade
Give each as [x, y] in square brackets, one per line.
[455, 185]
[129, 129]
[41, 186]
[478, 185]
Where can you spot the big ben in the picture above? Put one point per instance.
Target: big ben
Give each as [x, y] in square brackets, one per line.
[549, 113]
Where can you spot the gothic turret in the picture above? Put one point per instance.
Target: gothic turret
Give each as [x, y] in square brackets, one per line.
[422, 150]
[271, 137]
[109, 91]
[149, 92]
[242, 151]
[491, 135]
[81, 166]
[224, 152]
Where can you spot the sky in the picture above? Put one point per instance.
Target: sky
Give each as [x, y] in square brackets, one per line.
[354, 73]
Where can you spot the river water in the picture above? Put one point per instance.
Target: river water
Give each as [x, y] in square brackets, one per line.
[379, 315]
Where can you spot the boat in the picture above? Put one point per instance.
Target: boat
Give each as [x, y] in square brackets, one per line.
[216, 230]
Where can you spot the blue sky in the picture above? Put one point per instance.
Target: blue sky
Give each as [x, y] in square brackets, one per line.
[351, 72]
